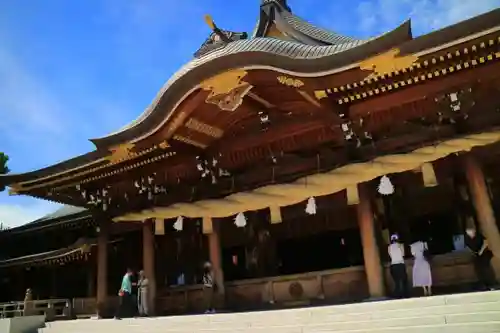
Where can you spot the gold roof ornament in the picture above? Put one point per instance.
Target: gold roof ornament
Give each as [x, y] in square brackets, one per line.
[121, 153]
[227, 89]
[164, 144]
[387, 63]
[290, 81]
[209, 21]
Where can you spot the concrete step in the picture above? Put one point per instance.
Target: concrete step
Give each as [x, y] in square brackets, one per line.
[163, 325]
[429, 312]
[483, 327]
[487, 327]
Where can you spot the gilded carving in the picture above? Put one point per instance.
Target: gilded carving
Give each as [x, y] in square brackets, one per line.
[121, 153]
[204, 128]
[320, 94]
[387, 63]
[164, 145]
[227, 89]
[291, 82]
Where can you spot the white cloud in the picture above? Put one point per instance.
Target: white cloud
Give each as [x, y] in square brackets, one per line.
[14, 215]
[426, 15]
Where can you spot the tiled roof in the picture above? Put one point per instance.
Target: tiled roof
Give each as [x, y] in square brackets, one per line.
[64, 211]
[308, 29]
[62, 215]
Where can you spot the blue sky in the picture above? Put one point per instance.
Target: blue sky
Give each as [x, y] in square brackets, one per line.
[74, 70]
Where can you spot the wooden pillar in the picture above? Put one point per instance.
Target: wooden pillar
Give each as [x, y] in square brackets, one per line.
[148, 262]
[371, 253]
[102, 266]
[214, 252]
[482, 203]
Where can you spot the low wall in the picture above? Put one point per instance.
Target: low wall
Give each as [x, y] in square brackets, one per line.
[335, 286]
[27, 324]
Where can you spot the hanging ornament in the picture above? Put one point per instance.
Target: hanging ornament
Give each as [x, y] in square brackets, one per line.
[311, 206]
[352, 195]
[160, 227]
[275, 212]
[385, 187]
[240, 221]
[178, 223]
[428, 175]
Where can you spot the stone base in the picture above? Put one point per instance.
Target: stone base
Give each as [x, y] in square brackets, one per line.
[26, 324]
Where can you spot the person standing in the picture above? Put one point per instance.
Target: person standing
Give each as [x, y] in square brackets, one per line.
[125, 293]
[142, 294]
[208, 287]
[398, 268]
[28, 303]
[482, 258]
[422, 276]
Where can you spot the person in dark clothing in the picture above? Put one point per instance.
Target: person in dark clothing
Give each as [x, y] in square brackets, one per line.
[208, 288]
[399, 275]
[125, 307]
[482, 258]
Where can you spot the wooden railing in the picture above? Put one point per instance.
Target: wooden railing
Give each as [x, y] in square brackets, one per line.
[84, 307]
[51, 308]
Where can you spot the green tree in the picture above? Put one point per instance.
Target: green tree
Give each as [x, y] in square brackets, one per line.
[3, 167]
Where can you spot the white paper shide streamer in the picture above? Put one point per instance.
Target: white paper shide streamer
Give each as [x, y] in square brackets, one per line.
[240, 220]
[385, 187]
[178, 224]
[311, 206]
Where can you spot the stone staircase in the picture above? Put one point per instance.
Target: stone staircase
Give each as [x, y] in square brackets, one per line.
[461, 313]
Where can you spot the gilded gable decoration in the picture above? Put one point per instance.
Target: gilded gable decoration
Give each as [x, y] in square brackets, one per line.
[290, 81]
[121, 153]
[387, 63]
[227, 89]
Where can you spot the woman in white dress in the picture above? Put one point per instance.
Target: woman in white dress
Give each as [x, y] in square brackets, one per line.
[422, 276]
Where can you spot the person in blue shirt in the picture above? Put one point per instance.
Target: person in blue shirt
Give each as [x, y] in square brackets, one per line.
[125, 293]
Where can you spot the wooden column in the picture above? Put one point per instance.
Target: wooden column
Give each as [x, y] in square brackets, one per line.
[102, 265]
[215, 257]
[482, 203]
[371, 253]
[148, 262]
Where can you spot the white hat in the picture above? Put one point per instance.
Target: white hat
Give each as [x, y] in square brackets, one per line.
[394, 237]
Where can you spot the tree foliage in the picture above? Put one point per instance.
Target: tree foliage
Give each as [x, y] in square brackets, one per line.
[3, 167]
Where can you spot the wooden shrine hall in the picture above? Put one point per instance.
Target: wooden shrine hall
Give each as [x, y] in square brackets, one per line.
[266, 155]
